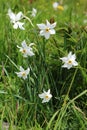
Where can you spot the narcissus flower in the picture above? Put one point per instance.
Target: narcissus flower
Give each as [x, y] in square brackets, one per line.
[69, 61]
[46, 29]
[23, 73]
[56, 6]
[26, 50]
[46, 96]
[15, 19]
[34, 12]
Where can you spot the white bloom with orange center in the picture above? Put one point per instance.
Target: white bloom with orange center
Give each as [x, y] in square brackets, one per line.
[15, 19]
[56, 6]
[46, 29]
[69, 61]
[26, 50]
[23, 73]
[46, 96]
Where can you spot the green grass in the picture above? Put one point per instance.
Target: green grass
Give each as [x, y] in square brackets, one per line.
[20, 105]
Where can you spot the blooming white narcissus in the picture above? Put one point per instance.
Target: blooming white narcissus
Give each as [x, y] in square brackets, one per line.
[23, 73]
[69, 61]
[26, 50]
[46, 96]
[15, 19]
[46, 29]
[34, 12]
[56, 6]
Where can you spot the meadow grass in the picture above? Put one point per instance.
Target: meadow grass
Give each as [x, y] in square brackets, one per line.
[20, 106]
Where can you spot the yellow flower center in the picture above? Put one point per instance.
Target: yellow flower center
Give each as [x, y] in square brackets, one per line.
[46, 96]
[60, 7]
[47, 29]
[69, 62]
[23, 74]
[24, 51]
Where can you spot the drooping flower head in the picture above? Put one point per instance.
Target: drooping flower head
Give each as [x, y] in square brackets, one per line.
[46, 96]
[23, 73]
[15, 19]
[69, 61]
[25, 49]
[46, 29]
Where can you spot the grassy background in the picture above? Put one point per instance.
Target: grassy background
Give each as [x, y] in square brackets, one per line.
[20, 105]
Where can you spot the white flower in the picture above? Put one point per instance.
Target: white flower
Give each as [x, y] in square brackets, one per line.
[46, 29]
[23, 73]
[55, 5]
[69, 61]
[46, 96]
[34, 12]
[15, 18]
[26, 50]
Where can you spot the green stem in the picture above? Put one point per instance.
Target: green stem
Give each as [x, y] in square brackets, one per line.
[70, 87]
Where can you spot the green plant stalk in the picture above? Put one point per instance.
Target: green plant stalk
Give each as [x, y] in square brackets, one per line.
[63, 110]
[70, 87]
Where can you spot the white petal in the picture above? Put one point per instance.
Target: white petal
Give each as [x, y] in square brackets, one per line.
[50, 96]
[53, 25]
[64, 59]
[15, 26]
[47, 35]
[11, 15]
[33, 15]
[52, 31]
[19, 16]
[27, 71]
[41, 95]
[75, 63]
[48, 91]
[41, 26]
[21, 69]
[24, 77]
[30, 53]
[24, 45]
[9, 11]
[44, 100]
[69, 66]
[65, 65]
[48, 24]
[34, 10]
[74, 56]
[19, 74]
[69, 55]
[42, 32]
[20, 24]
